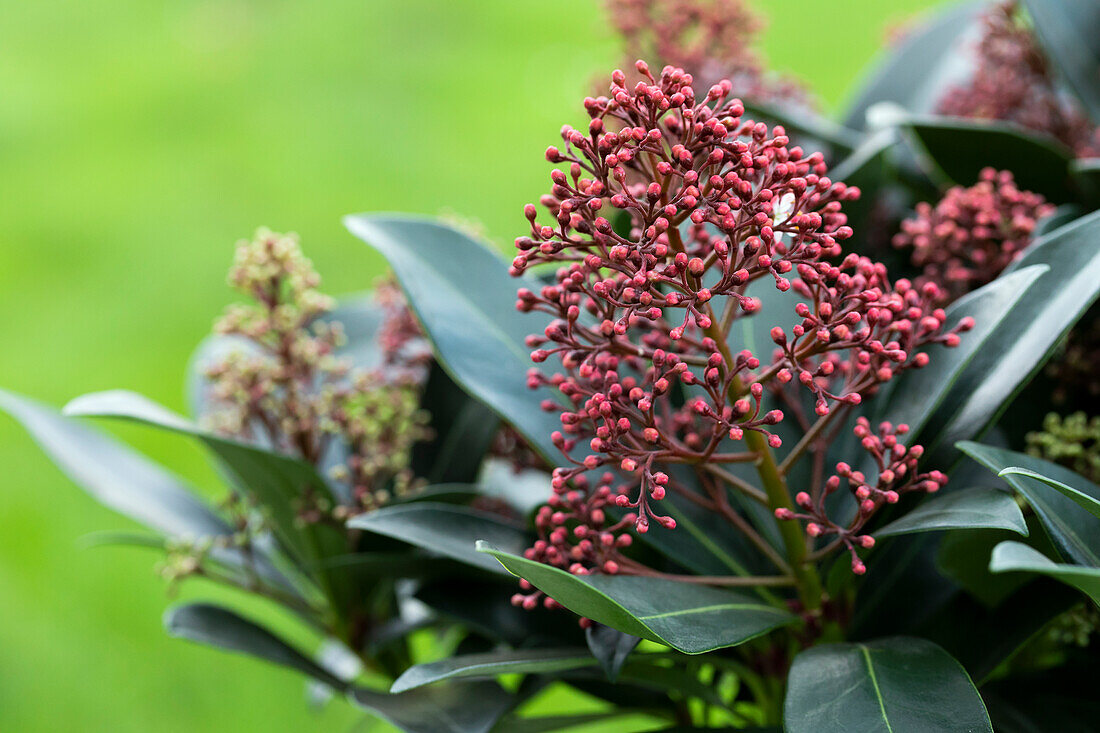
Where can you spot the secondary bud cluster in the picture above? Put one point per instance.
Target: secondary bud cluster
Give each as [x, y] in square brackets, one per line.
[666, 211]
[1072, 441]
[1013, 82]
[713, 38]
[972, 234]
[897, 474]
[287, 387]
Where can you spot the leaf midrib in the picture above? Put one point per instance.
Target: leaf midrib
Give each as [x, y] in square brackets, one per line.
[866, 652]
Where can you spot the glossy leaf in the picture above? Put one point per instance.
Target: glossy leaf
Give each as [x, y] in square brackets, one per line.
[461, 707]
[277, 480]
[891, 685]
[959, 149]
[491, 664]
[449, 708]
[968, 509]
[220, 627]
[114, 474]
[1017, 557]
[1024, 339]
[1070, 33]
[465, 299]
[918, 393]
[915, 71]
[463, 430]
[690, 618]
[1074, 531]
[1083, 500]
[803, 124]
[610, 647]
[446, 529]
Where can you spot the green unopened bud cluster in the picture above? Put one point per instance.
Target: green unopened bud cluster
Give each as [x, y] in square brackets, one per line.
[287, 388]
[1072, 441]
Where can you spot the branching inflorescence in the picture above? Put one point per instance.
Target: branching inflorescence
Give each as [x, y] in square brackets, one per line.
[1013, 82]
[972, 234]
[290, 390]
[668, 208]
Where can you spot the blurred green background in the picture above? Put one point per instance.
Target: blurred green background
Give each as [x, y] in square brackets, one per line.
[138, 141]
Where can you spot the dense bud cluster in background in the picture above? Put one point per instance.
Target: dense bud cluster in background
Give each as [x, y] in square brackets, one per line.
[1073, 441]
[712, 38]
[286, 387]
[667, 208]
[972, 234]
[1013, 82]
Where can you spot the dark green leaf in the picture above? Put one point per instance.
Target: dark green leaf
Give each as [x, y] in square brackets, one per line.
[916, 70]
[690, 618]
[1062, 699]
[278, 481]
[1070, 33]
[219, 627]
[1083, 500]
[1017, 557]
[918, 393]
[960, 149]
[484, 666]
[968, 509]
[893, 685]
[463, 431]
[446, 529]
[555, 723]
[610, 647]
[1075, 532]
[455, 708]
[1024, 339]
[465, 299]
[115, 475]
[461, 707]
[964, 558]
[804, 124]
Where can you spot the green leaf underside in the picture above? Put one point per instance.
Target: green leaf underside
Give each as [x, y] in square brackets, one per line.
[921, 66]
[446, 529]
[967, 509]
[278, 481]
[1080, 498]
[920, 392]
[1024, 339]
[960, 149]
[892, 685]
[1015, 556]
[482, 666]
[465, 299]
[687, 617]
[452, 708]
[1070, 33]
[1074, 531]
[114, 474]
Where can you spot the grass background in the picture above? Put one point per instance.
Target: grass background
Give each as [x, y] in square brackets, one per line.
[138, 141]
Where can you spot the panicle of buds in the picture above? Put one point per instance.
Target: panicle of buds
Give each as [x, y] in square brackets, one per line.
[665, 211]
[972, 234]
[1013, 82]
[897, 474]
[713, 38]
[287, 388]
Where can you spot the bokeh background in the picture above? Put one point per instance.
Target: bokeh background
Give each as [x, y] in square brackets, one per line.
[138, 141]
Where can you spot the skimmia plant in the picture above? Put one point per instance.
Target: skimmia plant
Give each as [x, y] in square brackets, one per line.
[785, 475]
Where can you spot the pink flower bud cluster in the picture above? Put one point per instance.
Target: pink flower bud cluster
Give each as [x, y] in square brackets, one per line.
[659, 223]
[972, 234]
[714, 38]
[577, 533]
[897, 475]
[1013, 82]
